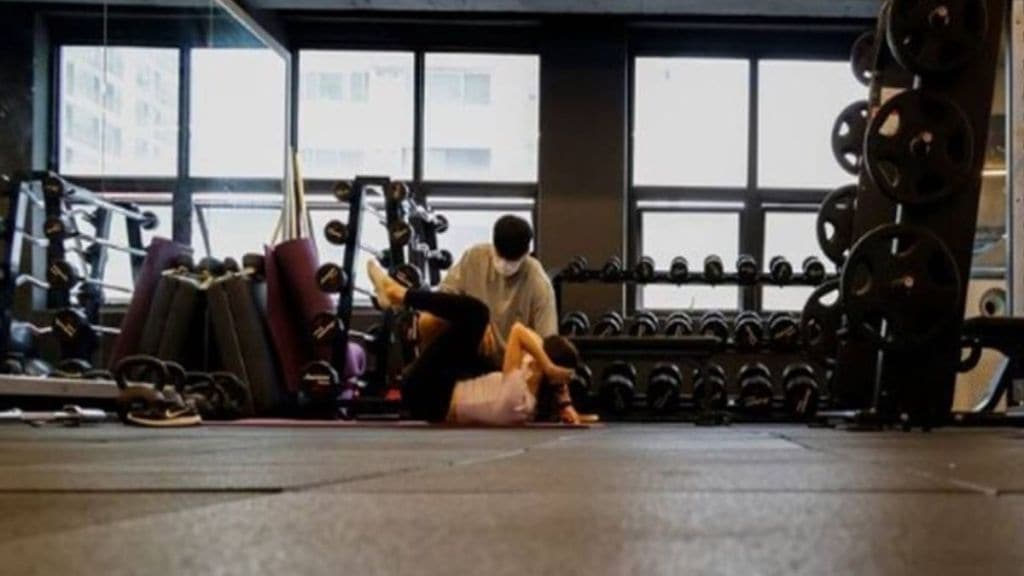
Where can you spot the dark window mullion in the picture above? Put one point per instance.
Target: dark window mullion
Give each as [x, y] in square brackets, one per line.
[752, 218]
[419, 118]
[181, 210]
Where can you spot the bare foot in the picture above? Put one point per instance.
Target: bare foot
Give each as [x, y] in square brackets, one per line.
[389, 293]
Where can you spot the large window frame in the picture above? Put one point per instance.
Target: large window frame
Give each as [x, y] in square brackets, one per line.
[150, 29]
[185, 31]
[829, 42]
[420, 38]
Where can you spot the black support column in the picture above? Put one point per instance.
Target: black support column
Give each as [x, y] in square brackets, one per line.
[582, 178]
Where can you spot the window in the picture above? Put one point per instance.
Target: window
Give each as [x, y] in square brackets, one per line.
[119, 267]
[360, 121]
[690, 122]
[220, 217]
[798, 103]
[793, 235]
[99, 110]
[469, 227]
[483, 111]
[238, 113]
[691, 139]
[695, 235]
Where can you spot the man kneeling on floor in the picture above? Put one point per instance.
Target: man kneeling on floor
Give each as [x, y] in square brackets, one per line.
[454, 380]
[511, 283]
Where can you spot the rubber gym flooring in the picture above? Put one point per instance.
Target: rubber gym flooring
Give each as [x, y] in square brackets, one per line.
[621, 499]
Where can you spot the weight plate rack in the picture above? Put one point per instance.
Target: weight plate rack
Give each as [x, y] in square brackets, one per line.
[912, 219]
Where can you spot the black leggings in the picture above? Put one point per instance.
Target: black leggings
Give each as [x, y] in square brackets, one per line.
[454, 355]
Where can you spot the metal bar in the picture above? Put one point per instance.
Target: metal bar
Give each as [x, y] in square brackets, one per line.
[418, 120]
[57, 387]
[1015, 117]
[751, 230]
[242, 16]
[181, 209]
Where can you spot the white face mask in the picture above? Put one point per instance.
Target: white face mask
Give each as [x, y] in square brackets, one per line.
[507, 268]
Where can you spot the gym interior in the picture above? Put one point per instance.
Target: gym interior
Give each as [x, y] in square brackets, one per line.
[502, 287]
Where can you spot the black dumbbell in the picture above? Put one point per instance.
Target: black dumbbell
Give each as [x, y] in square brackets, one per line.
[80, 369]
[644, 270]
[746, 269]
[612, 270]
[439, 223]
[755, 382]
[396, 191]
[331, 278]
[574, 324]
[71, 326]
[408, 275]
[814, 270]
[610, 324]
[319, 386]
[714, 270]
[59, 229]
[326, 327]
[61, 275]
[783, 331]
[54, 187]
[663, 385]
[780, 270]
[644, 324]
[801, 388]
[580, 389]
[678, 324]
[714, 324]
[440, 259]
[679, 269]
[748, 331]
[618, 388]
[576, 268]
[709, 392]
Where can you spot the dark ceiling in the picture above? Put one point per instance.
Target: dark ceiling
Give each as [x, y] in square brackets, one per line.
[754, 8]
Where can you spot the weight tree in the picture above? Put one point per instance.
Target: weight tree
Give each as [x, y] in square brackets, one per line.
[904, 232]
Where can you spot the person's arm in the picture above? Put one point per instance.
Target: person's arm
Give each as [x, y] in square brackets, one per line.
[454, 281]
[522, 341]
[545, 316]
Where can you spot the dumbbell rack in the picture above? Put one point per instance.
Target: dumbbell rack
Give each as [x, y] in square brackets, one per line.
[19, 197]
[661, 277]
[53, 196]
[391, 353]
[693, 352]
[894, 385]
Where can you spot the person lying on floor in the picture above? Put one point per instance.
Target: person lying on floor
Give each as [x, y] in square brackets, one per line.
[453, 379]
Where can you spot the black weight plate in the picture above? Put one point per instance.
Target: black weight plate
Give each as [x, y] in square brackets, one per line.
[935, 36]
[900, 287]
[848, 136]
[919, 148]
[835, 223]
[862, 58]
[821, 320]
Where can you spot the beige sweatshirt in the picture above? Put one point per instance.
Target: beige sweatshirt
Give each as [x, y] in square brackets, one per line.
[527, 296]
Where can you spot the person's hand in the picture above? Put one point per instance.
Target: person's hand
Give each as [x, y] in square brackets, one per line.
[488, 344]
[570, 416]
[559, 375]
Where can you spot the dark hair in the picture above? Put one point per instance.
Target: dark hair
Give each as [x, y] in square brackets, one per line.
[562, 352]
[512, 237]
